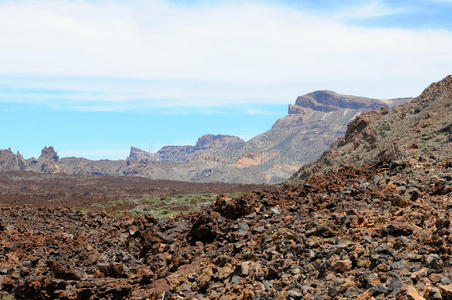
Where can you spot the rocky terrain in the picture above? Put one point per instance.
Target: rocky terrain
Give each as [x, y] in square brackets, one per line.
[361, 222]
[312, 125]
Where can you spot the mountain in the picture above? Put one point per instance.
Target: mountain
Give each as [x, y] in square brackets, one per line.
[205, 143]
[419, 129]
[312, 124]
[315, 121]
[370, 219]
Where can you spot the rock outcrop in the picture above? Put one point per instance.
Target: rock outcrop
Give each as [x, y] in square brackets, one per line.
[138, 154]
[49, 154]
[10, 161]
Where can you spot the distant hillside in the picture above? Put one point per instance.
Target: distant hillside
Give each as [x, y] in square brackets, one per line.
[315, 121]
[207, 142]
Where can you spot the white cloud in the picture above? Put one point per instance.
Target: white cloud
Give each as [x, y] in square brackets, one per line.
[371, 9]
[211, 54]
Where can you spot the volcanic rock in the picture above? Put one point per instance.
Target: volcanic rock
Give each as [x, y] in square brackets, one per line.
[49, 154]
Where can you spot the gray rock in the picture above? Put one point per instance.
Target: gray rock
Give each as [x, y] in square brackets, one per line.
[433, 261]
[295, 294]
[243, 228]
[275, 211]
[395, 284]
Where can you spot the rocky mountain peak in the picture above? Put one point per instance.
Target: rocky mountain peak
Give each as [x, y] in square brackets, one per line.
[138, 154]
[49, 154]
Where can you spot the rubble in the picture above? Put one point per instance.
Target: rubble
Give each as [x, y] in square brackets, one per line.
[332, 237]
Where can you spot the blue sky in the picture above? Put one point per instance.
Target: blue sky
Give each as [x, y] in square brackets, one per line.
[93, 78]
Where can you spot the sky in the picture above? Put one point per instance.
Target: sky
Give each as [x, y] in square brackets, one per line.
[94, 77]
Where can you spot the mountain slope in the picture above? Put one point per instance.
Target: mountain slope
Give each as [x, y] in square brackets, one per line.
[315, 121]
[420, 128]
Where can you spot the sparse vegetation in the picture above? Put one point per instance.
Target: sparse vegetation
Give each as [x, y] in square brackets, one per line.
[383, 129]
[83, 210]
[163, 206]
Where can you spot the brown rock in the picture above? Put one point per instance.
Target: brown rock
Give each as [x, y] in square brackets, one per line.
[409, 293]
[245, 268]
[204, 229]
[342, 265]
[232, 208]
[446, 290]
[159, 287]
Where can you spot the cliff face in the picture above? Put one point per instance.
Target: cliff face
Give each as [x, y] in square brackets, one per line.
[138, 154]
[327, 101]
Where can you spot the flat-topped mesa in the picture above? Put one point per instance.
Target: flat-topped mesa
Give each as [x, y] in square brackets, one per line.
[217, 141]
[328, 101]
[49, 154]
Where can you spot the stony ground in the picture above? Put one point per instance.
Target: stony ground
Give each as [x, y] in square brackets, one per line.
[381, 231]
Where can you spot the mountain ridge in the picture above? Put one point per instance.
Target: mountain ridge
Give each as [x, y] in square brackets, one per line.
[313, 123]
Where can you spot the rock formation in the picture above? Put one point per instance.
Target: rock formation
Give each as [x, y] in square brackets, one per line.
[10, 161]
[49, 154]
[138, 154]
